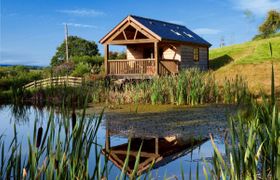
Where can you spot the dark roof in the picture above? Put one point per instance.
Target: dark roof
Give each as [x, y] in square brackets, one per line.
[170, 31]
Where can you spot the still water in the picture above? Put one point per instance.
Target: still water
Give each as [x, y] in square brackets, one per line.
[170, 153]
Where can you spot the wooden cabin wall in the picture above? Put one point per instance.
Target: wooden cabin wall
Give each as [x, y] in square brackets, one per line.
[187, 58]
[203, 58]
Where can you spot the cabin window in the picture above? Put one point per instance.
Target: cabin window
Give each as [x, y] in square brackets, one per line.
[196, 54]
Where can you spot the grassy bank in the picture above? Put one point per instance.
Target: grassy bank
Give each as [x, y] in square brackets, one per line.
[251, 60]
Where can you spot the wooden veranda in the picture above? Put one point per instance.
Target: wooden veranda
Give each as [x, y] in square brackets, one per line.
[144, 48]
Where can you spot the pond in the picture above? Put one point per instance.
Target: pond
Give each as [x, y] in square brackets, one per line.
[171, 149]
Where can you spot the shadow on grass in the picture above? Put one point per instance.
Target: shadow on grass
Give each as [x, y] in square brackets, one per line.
[220, 61]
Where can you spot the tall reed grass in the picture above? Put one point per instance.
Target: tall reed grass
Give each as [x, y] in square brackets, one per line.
[191, 87]
[253, 146]
[60, 151]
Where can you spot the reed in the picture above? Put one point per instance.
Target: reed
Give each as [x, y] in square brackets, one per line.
[252, 150]
[191, 87]
[54, 152]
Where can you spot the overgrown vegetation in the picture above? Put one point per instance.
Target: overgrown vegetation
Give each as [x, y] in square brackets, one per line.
[13, 78]
[253, 146]
[191, 86]
[57, 152]
[63, 151]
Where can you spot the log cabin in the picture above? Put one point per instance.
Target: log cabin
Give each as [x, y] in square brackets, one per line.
[153, 48]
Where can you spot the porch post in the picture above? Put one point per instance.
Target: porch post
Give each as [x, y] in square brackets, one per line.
[156, 58]
[106, 49]
[156, 145]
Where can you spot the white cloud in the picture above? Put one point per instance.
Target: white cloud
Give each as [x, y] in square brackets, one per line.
[207, 31]
[80, 25]
[82, 12]
[258, 7]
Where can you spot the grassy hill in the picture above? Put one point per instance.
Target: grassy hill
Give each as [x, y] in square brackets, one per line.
[251, 60]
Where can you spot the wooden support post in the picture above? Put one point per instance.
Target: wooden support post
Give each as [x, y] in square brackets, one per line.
[106, 57]
[156, 58]
[156, 145]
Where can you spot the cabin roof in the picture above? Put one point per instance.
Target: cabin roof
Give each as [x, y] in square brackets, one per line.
[165, 31]
[171, 31]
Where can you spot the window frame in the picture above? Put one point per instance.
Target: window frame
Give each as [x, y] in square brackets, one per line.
[196, 56]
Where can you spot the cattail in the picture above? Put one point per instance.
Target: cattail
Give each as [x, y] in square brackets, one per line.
[55, 164]
[39, 137]
[24, 173]
[74, 118]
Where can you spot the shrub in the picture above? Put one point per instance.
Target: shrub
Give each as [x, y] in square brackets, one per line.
[81, 69]
[91, 60]
[63, 69]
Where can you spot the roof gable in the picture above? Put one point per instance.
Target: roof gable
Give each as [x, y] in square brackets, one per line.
[125, 23]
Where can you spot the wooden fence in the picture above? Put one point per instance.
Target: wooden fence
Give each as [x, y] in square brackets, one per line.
[55, 81]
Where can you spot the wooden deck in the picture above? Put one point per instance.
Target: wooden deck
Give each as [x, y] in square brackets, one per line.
[140, 68]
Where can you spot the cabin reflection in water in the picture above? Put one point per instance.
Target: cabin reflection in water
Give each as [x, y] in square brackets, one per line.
[159, 151]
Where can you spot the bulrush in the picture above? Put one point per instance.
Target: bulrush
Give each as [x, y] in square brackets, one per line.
[39, 137]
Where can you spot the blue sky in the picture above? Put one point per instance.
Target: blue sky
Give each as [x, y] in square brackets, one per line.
[31, 30]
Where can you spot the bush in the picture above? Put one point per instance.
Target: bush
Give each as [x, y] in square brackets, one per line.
[64, 69]
[91, 60]
[81, 69]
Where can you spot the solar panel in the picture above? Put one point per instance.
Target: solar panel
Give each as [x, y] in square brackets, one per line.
[170, 31]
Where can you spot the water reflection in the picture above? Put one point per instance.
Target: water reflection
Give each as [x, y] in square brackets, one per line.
[169, 151]
[155, 151]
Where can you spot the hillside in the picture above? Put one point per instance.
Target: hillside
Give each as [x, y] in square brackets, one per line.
[251, 60]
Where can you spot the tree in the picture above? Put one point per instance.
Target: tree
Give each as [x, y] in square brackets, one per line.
[77, 47]
[117, 55]
[271, 24]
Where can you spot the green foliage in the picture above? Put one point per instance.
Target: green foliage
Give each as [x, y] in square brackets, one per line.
[252, 150]
[191, 87]
[13, 78]
[271, 24]
[117, 55]
[55, 152]
[81, 69]
[77, 47]
[91, 60]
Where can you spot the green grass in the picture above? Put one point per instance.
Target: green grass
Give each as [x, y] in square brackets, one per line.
[251, 52]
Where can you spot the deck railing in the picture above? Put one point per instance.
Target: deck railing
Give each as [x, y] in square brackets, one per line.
[131, 66]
